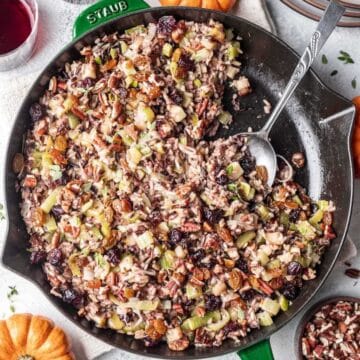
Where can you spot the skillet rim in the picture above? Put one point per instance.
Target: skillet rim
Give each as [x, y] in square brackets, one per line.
[46, 71]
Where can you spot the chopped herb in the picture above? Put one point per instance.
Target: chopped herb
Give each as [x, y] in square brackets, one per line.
[324, 59]
[229, 169]
[12, 308]
[13, 291]
[353, 83]
[333, 73]
[345, 57]
[2, 216]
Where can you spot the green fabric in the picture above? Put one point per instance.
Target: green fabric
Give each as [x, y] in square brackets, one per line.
[259, 351]
[103, 11]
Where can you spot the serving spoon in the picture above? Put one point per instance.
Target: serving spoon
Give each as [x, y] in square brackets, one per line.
[258, 142]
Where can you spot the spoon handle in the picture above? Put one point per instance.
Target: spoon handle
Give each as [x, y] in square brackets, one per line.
[324, 29]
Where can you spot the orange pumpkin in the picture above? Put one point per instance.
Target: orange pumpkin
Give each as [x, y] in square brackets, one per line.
[356, 137]
[28, 337]
[222, 5]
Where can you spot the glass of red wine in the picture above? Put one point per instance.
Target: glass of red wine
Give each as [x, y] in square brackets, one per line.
[18, 31]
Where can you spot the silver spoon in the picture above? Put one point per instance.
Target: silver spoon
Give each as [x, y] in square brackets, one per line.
[258, 143]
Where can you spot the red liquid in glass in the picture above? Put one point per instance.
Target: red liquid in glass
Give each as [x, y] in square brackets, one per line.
[15, 24]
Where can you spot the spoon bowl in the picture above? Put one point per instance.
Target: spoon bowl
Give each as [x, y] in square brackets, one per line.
[258, 142]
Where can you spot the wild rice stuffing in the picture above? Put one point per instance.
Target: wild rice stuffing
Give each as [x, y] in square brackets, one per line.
[333, 333]
[141, 224]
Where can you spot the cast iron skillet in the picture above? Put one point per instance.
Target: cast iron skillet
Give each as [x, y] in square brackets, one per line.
[307, 124]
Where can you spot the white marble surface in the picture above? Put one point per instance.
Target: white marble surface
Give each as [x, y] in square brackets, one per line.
[291, 27]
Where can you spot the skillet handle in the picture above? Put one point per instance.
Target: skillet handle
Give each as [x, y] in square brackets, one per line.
[261, 350]
[103, 11]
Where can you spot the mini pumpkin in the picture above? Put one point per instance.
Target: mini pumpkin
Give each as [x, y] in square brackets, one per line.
[30, 337]
[356, 137]
[222, 5]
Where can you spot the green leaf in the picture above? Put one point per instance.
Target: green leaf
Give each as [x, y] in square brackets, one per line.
[12, 308]
[345, 57]
[353, 83]
[333, 73]
[324, 59]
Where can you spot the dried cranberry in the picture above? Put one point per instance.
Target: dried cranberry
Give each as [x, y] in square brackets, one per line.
[294, 214]
[198, 255]
[231, 327]
[185, 62]
[55, 257]
[57, 211]
[72, 297]
[212, 302]
[222, 179]
[37, 257]
[294, 268]
[242, 264]
[176, 97]
[248, 164]
[176, 236]
[88, 82]
[212, 216]
[166, 25]
[36, 111]
[290, 291]
[249, 294]
[114, 255]
[155, 217]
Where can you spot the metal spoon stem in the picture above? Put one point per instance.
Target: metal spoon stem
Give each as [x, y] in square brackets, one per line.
[324, 29]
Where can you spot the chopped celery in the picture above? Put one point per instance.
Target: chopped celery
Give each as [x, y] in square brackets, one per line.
[196, 322]
[50, 201]
[127, 140]
[264, 318]
[297, 199]
[225, 117]
[225, 318]
[73, 121]
[273, 264]
[113, 53]
[284, 303]
[105, 226]
[233, 51]
[74, 267]
[232, 187]
[144, 116]
[316, 218]
[136, 304]
[177, 113]
[133, 155]
[46, 160]
[192, 291]
[202, 55]
[50, 224]
[167, 50]
[234, 171]
[123, 47]
[306, 230]
[103, 264]
[246, 191]
[98, 60]
[55, 172]
[197, 83]
[323, 205]
[167, 260]
[87, 206]
[271, 306]
[128, 68]
[236, 313]
[135, 30]
[115, 323]
[262, 257]
[264, 212]
[245, 238]
[145, 240]
[284, 218]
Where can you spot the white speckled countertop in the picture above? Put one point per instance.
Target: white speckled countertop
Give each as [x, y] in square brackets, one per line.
[291, 27]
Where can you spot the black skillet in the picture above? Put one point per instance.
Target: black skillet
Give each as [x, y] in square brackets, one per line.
[316, 121]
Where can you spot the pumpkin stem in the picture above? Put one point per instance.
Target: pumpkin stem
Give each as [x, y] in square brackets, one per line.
[26, 357]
